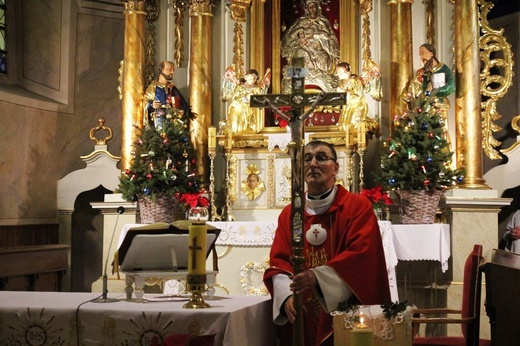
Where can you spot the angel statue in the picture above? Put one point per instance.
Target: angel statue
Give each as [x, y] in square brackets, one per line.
[253, 186]
[241, 117]
[312, 37]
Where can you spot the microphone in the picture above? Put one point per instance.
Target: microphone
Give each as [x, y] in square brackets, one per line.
[104, 297]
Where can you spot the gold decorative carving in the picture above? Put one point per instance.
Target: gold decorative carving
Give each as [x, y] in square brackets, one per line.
[253, 186]
[249, 269]
[200, 8]
[178, 7]
[101, 126]
[137, 6]
[152, 13]
[492, 86]
[238, 10]
[515, 124]
[271, 187]
[430, 21]
[120, 79]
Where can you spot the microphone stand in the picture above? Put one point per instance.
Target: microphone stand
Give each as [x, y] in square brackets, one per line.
[104, 298]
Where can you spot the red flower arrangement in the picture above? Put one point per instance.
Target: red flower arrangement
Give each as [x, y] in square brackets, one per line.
[194, 199]
[378, 197]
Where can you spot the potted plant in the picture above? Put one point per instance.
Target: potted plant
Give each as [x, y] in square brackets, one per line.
[416, 160]
[162, 176]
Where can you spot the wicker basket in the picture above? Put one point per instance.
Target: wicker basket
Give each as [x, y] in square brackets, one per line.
[164, 209]
[418, 206]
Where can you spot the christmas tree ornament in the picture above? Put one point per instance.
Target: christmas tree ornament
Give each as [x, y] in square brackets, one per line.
[441, 175]
[149, 176]
[429, 160]
[427, 92]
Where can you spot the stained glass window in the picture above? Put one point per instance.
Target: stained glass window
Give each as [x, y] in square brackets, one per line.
[3, 29]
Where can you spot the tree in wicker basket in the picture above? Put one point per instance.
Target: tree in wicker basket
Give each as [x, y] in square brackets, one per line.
[416, 160]
[162, 174]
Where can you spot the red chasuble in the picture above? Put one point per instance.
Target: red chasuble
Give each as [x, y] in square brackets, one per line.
[353, 249]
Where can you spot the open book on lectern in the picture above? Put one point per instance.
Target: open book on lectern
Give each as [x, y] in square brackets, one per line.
[159, 247]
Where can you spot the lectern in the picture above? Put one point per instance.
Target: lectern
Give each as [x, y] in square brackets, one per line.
[158, 251]
[502, 302]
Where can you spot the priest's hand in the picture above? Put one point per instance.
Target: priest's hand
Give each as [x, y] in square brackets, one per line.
[303, 281]
[289, 309]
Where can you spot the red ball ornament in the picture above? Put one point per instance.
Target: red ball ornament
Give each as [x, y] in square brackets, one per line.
[149, 176]
[430, 135]
[193, 161]
[127, 171]
[426, 182]
[419, 110]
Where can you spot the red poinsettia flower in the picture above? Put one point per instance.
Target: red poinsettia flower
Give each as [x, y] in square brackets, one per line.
[194, 199]
[377, 196]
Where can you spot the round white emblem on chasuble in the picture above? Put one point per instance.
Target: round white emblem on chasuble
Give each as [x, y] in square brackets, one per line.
[316, 235]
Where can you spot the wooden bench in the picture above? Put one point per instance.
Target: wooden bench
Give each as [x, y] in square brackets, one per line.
[33, 268]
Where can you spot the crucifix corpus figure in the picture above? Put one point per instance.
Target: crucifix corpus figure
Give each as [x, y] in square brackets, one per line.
[327, 247]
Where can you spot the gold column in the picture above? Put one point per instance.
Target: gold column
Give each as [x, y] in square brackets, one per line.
[133, 75]
[200, 78]
[256, 38]
[467, 95]
[349, 33]
[401, 61]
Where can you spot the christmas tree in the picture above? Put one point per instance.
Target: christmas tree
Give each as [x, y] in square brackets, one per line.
[163, 163]
[416, 156]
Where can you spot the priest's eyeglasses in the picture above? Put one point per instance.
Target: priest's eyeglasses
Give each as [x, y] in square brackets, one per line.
[321, 158]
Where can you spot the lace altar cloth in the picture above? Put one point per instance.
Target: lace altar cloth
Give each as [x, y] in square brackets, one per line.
[281, 140]
[246, 233]
[394, 332]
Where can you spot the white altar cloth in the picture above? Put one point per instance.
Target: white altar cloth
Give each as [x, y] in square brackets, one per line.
[38, 318]
[423, 242]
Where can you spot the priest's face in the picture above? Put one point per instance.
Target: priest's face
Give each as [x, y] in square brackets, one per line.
[320, 168]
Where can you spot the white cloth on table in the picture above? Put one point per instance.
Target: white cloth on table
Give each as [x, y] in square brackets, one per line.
[423, 242]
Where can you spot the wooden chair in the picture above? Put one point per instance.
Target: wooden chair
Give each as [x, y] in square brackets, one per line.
[469, 313]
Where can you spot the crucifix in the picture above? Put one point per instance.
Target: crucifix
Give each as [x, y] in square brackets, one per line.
[301, 107]
[194, 247]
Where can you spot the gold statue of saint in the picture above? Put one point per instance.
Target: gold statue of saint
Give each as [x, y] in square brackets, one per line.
[241, 118]
[356, 109]
[312, 37]
[253, 186]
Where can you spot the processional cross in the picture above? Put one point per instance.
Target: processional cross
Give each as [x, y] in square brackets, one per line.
[295, 117]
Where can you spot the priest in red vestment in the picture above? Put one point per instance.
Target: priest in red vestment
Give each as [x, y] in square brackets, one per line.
[344, 258]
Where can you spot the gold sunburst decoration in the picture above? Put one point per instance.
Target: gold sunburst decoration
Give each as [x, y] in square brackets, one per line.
[495, 54]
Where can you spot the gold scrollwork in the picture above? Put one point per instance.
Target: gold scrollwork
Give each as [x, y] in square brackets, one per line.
[247, 271]
[515, 123]
[178, 7]
[492, 86]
